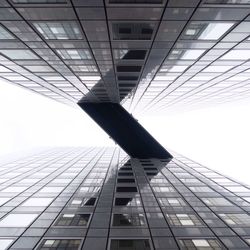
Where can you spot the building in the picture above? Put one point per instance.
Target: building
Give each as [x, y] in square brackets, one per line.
[98, 198]
[145, 56]
[151, 55]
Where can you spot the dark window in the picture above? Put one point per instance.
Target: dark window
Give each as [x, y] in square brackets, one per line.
[126, 189]
[132, 31]
[151, 169]
[136, 1]
[125, 168]
[89, 202]
[124, 180]
[122, 201]
[152, 173]
[127, 78]
[146, 31]
[39, 1]
[128, 68]
[125, 174]
[127, 202]
[127, 85]
[135, 55]
[124, 30]
[128, 220]
[133, 244]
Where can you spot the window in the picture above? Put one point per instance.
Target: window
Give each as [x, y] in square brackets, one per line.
[201, 189]
[158, 181]
[183, 220]
[125, 180]
[51, 189]
[4, 70]
[125, 174]
[37, 202]
[39, 68]
[5, 243]
[80, 220]
[128, 201]
[246, 198]
[94, 189]
[128, 68]
[202, 77]
[3, 200]
[16, 78]
[83, 202]
[217, 69]
[125, 244]
[126, 189]
[59, 30]
[130, 54]
[84, 68]
[39, 1]
[165, 78]
[247, 240]
[151, 173]
[32, 181]
[18, 54]
[189, 180]
[227, 2]
[3, 180]
[190, 54]
[134, 219]
[207, 31]
[125, 169]
[216, 202]
[73, 54]
[13, 189]
[201, 244]
[172, 202]
[238, 189]
[4, 34]
[237, 54]
[173, 69]
[95, 78]
[236, 219]
[17, 220]
[61, 181]
[53, 78]
[163, 189]
[133, 31]
[60, 244]
[136, 1]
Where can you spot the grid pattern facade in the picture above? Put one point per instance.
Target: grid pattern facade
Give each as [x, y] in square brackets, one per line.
[85, 198]
[150, 54]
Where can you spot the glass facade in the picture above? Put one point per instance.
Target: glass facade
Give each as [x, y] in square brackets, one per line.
[69, 198]
[149, 55]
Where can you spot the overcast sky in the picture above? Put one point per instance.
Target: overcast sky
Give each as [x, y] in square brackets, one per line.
[216, 137]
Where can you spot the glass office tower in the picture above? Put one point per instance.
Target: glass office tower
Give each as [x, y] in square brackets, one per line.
[150, 56]
[153, 56]
[99, 198]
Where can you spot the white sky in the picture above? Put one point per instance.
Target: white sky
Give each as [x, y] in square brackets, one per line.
[218, 137]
